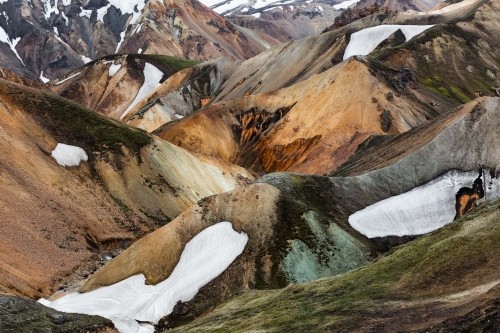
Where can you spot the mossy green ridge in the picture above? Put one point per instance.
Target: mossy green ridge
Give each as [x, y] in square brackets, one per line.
[71, 123]
[458, 257]
[24, 316]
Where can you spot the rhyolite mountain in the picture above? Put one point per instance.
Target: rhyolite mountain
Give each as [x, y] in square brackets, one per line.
[48, 38]
[360, 166]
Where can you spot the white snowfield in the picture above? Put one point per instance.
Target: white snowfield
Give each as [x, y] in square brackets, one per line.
[365, 41]
[205, 257]
[43, 78]
[152, 78]
[4, 37]
[345, 4]
[113, 69]
[422, 210]
[66, 155]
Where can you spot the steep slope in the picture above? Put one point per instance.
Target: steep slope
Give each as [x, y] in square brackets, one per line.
[114, 84]
[315, 54]
[302, 128]
[181, 95]
[401, 6]
[442, 56]
[48, 38]
[297, 20]
[300, 227]
[119, 184]
[442, 276]
[271, 130]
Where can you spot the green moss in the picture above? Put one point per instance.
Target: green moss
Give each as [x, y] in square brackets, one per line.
[71, 123]
[126, 209]
[443, 91]
[460, 94]
[436, 264]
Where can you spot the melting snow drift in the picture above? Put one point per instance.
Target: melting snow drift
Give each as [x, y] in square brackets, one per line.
[152, 78]
[205, 257]
[67, 155]
[365, 41]
[422, 210]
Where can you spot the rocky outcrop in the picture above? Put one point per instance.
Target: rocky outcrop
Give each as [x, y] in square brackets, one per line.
[24, 316]
[110, 85]
[353, 14]
[181, 95]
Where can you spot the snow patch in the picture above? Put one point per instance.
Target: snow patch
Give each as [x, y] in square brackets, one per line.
[152, 78]
[43, 79]
[139, 51]
[205, 257]
[66, 79]
[422, 210]
[85, 59]
[365, 41]
[345, 4]
[66, 155]
[85, 13]
[113, 69]
[4, 37]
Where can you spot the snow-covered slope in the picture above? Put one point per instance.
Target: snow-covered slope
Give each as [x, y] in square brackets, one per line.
[67, 155]
[152, 78]
[365, 41]
[131, 302]
[421, 210]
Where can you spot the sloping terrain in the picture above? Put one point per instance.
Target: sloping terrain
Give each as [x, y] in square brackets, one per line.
[300, 227]
[457, 59]
[48, 38]
[58, 220]
[301, 128]
[114, 84]
[181, 95]
[401, 6]
[415, 287]
[305, 129]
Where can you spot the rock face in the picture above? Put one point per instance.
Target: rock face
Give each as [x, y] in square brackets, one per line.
[402, 6]
[181, 95]
[110, 85]
[57, 220]
[22, 315]
[300, 128]
[48, 38]
[353, 14]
